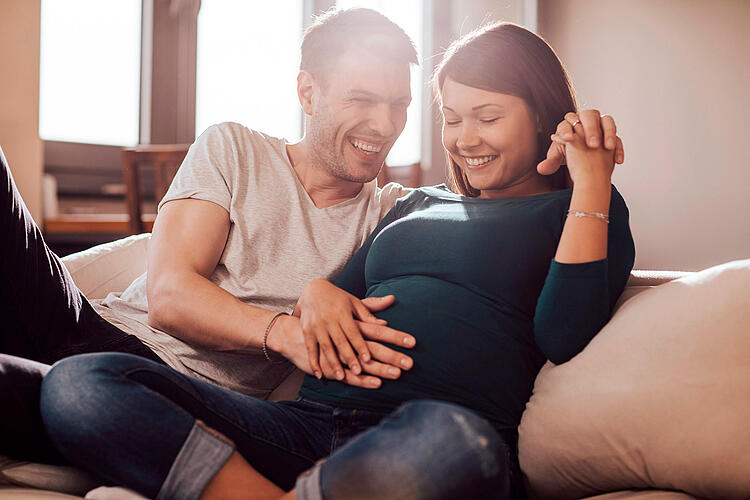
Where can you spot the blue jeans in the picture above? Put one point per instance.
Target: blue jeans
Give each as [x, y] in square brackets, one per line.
[143, 425]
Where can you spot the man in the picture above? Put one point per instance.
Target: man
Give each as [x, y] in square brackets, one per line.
[247, 222]
[250, 219]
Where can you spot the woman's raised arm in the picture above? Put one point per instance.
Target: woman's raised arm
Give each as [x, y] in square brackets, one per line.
[594, 256]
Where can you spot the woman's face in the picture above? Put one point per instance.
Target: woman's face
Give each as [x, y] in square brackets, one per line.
[493, 138]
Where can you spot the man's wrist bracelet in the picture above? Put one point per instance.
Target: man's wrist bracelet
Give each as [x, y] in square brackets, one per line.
[593, 215]
[265, 336]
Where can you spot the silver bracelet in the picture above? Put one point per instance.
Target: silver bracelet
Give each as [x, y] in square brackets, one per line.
[593, 215]
[265, 336]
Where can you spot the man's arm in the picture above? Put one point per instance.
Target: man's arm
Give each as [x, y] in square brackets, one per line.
[188, 239]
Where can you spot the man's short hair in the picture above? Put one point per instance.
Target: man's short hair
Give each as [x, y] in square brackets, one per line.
[337, 30]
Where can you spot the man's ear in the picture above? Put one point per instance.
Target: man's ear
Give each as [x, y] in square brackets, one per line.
[305, 91]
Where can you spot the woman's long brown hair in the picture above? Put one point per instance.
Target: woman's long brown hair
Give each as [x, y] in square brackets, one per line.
[509, 59]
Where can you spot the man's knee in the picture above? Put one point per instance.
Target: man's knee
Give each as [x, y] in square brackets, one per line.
[21, 375]
[22, 434]
[20, 386]
[72, 392]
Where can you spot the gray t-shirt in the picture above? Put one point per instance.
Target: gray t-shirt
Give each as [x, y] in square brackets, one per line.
[278, 241]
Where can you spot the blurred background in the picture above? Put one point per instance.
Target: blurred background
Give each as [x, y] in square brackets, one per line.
[84, 79]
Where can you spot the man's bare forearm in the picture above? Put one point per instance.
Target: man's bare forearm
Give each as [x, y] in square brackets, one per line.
[192, 308]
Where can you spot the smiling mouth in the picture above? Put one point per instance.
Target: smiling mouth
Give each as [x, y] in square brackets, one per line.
[478, 161]
[367, 148]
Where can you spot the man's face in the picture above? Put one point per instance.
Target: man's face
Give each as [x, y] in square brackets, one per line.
[358, 112]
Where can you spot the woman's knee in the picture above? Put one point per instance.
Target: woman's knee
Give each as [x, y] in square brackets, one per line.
[425, 449]
[448, 429]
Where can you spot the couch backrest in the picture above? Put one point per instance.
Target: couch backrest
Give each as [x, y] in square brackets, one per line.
[111, 267]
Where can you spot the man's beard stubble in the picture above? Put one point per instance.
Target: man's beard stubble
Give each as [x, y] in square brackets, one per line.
[326, 155]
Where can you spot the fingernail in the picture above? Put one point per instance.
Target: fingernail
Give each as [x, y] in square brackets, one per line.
[611, 143]
[318, 375]
[593, 142]
[339, 374]
[405, 362]
[356, 369]
[393, 370]
[408, 340]
[365, 357]
[374, 382]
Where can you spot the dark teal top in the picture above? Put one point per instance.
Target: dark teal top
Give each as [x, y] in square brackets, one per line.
[476, 284]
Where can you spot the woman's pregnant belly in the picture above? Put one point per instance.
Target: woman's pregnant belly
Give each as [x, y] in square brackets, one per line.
[468, 351]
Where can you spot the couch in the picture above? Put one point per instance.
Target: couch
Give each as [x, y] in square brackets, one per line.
[112, 266]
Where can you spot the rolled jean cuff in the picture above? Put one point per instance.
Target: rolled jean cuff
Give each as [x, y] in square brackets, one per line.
[202, 455]
[308, 485]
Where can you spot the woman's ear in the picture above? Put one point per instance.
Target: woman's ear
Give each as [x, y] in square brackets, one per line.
[305, 91]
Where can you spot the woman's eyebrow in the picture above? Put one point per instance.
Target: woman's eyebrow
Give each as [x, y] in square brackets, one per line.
[486, 105]
[480, 106]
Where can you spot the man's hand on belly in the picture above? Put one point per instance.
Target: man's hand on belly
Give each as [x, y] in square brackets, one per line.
[335, 326]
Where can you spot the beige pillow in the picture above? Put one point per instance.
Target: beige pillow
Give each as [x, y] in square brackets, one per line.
[659, 399]
[640, 495]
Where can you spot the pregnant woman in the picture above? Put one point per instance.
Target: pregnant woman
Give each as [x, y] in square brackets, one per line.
[509, 266]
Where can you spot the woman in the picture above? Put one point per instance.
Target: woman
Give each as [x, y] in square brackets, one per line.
[510, 268]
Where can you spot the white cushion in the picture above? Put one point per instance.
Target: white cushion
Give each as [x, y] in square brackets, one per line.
[113, 493]
[110, 267]
[59, 478]
[659, 399]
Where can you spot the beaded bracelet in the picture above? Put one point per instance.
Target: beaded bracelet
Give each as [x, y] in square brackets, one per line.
[265, 336]
[594, 215]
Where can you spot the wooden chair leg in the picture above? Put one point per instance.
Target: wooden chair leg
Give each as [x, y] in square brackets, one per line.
[133, 195]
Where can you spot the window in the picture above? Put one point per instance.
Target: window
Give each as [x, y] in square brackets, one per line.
[90, 71]
[248, 60]
[408, 15]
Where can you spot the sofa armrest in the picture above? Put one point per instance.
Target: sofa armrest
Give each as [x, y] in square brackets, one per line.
[110, 267]
[641, 277]
[641, 280]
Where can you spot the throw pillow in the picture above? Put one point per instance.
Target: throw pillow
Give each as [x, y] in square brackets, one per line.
[660, 398]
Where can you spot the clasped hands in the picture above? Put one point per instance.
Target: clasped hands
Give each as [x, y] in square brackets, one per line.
[335, 335]
[583, 134]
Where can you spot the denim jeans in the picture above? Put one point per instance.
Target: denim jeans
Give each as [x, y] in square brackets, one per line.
[43, 317]
[165, 435]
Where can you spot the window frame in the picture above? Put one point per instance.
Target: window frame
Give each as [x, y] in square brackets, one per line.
[168, 94]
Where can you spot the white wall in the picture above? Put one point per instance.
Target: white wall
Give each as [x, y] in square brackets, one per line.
[675, 74]
[19, 97]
